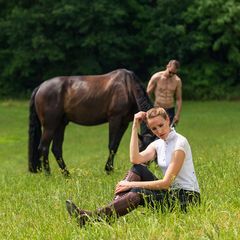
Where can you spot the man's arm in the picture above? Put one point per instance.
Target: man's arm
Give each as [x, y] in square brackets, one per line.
[178, 101]
[151, 85]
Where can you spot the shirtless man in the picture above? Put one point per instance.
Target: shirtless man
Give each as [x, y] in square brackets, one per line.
[167, 88]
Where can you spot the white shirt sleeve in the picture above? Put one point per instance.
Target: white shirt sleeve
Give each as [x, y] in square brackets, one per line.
[181, 144]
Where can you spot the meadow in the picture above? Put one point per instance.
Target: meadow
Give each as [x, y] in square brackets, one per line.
[32, 206]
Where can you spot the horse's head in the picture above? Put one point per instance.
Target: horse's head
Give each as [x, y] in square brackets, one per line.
[145, 140]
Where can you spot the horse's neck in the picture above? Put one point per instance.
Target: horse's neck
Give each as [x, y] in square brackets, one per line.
[142, 99]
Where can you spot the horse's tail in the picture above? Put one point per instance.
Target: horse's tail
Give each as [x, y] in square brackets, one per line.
[34, 136]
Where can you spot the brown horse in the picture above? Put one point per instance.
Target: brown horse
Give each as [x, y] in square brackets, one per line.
[86, 100]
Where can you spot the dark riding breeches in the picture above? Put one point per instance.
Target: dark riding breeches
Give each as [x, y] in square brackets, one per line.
[165, 199]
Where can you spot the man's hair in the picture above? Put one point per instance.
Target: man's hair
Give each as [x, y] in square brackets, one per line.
[174, 62]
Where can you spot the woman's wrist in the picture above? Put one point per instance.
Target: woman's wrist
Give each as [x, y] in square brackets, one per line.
[135, 126]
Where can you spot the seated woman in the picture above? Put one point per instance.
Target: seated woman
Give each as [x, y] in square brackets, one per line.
[140, 186]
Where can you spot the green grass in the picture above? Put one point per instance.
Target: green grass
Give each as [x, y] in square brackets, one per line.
[32, 206]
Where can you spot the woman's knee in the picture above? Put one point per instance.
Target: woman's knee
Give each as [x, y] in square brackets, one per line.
[139, 168]
[143, 171]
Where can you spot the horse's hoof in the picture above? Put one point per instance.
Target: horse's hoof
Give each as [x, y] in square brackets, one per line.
[66, 173]
[47, 172]
[109, 169]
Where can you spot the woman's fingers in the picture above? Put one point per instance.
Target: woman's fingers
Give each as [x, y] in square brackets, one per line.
[121, 187]
[140, 116]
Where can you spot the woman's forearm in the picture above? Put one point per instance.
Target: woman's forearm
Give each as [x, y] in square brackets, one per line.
[135, 157]
[151, 185]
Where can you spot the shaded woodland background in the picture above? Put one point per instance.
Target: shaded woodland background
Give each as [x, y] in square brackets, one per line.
[40, 39]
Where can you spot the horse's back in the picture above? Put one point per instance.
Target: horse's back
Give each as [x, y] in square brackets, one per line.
[87, 100]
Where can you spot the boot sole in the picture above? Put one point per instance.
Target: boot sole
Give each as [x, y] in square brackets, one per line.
[72, 209]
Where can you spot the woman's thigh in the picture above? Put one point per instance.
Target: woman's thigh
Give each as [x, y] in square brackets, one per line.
[184, 198]
[153, 198]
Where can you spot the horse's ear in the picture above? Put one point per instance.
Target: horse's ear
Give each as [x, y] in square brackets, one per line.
[140, 137]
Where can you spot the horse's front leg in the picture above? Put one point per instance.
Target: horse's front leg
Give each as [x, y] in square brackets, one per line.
[109, 163]
[117, 127]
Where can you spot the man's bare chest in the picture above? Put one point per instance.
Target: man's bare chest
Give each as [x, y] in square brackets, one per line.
[166, 85]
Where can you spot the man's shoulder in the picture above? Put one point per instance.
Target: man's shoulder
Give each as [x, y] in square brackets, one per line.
[177, 78]
[157, 75]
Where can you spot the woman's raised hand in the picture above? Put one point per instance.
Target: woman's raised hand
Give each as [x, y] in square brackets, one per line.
[138, 118]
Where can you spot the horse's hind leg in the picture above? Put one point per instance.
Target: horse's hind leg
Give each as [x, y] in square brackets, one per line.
[57, 148]
[117, 127]
[46, 139]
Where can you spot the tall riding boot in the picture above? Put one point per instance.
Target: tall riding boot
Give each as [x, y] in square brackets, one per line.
[120, 207]
[80, 214]
[131, 177]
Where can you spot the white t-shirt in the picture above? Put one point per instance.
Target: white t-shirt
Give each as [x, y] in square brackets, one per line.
[186, 178]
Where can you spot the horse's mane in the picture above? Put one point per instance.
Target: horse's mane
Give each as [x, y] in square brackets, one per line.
[140, 95]
[142, 100]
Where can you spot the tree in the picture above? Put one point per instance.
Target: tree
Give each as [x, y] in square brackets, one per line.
[213, 46]
[40, 39]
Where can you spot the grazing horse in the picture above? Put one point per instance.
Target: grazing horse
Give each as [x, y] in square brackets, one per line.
[86, 100]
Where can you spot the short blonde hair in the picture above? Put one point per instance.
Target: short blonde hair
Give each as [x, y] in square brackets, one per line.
[156, 111]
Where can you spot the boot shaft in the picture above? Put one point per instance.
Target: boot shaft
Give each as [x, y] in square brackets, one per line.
[130, 177]
[121, 206]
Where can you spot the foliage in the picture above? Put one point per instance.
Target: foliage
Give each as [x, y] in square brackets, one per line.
[212, 29]
[33, 205]
[41, 39]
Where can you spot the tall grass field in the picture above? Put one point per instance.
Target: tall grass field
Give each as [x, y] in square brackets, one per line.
[32, 206]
